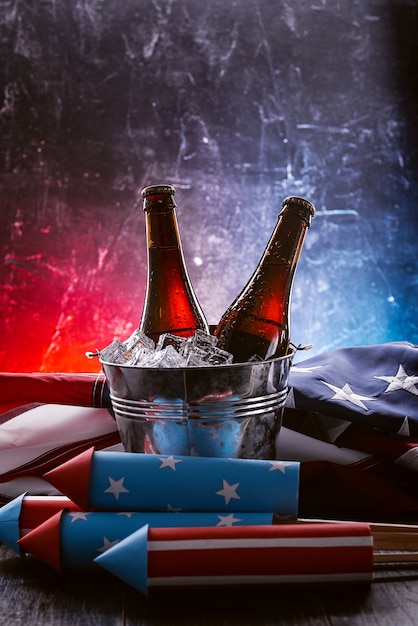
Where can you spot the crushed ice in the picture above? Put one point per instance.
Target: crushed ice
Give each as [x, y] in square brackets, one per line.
[139, 350]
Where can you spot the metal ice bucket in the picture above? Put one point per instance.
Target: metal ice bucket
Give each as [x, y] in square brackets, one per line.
[219, 411]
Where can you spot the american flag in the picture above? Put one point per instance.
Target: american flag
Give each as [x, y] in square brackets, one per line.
[375, 386]
[46, 419]
[351, 419]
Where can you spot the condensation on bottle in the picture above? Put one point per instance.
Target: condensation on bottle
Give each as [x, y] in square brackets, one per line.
[257, 323]
[171, 305]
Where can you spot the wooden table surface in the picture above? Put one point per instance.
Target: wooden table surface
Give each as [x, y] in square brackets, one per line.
[32, 594]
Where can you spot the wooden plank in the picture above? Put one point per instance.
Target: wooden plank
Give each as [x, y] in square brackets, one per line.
[31, 593]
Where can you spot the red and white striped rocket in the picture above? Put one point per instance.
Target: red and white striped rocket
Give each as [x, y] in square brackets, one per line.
[249, 555]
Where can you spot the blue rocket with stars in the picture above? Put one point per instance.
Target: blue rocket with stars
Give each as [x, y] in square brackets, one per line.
[123, 481]
[71, 540]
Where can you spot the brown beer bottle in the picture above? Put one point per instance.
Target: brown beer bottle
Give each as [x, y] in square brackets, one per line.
[170, 304]
[257, 322]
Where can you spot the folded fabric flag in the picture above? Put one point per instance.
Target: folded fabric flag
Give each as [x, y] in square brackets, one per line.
[128, 481]
[11, 489]
[48, 434]
[332, 491]
[351, 420]
[71, 540]
[373, 385]
[264, 555]
[312, 436]
[46, 419]
[345, 483]
[392, 449]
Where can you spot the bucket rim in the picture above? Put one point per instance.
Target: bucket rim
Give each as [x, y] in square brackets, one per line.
[225, 366]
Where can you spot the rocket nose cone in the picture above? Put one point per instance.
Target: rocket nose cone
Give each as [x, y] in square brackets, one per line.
[9, 523]
[72, 478]
[128, 560]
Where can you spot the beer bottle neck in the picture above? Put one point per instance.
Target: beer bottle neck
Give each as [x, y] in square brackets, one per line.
[161, 219]
[162, 228]
[287, 238]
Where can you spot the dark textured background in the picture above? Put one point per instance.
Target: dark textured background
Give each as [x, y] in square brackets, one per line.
[237, 103]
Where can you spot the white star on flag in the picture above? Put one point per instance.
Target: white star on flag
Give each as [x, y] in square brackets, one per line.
[107, 544]
[227, 520]
[78, 515]
[404, 430]
[228, 491]
[170, 462]
[279, 465]
[116, 487]
[401, 381]
[346, 393]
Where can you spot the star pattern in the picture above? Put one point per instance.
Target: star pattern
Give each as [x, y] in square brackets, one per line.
[107, 544]
[227, 520]
[410, 458]
[170, 462]
[228, 491]
[116, 487]
[77, 515]
[279, 465]
[401, 382]
[198, 484]
[347, 394]
[404, 430]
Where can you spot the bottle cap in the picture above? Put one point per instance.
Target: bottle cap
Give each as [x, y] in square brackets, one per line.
[304, 208]
[154, 190]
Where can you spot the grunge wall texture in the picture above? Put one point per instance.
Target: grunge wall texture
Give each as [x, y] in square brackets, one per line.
[238, 104]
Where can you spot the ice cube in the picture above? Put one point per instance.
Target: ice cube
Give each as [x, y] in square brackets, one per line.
[167, 339]
[194, 359]
[255, 358]
[201, 350]
[167, 357]
[172, 358]
[202, 340]
[170, 351]
[140, 356]
[218, 357]
[115, 352]
[138, 339]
